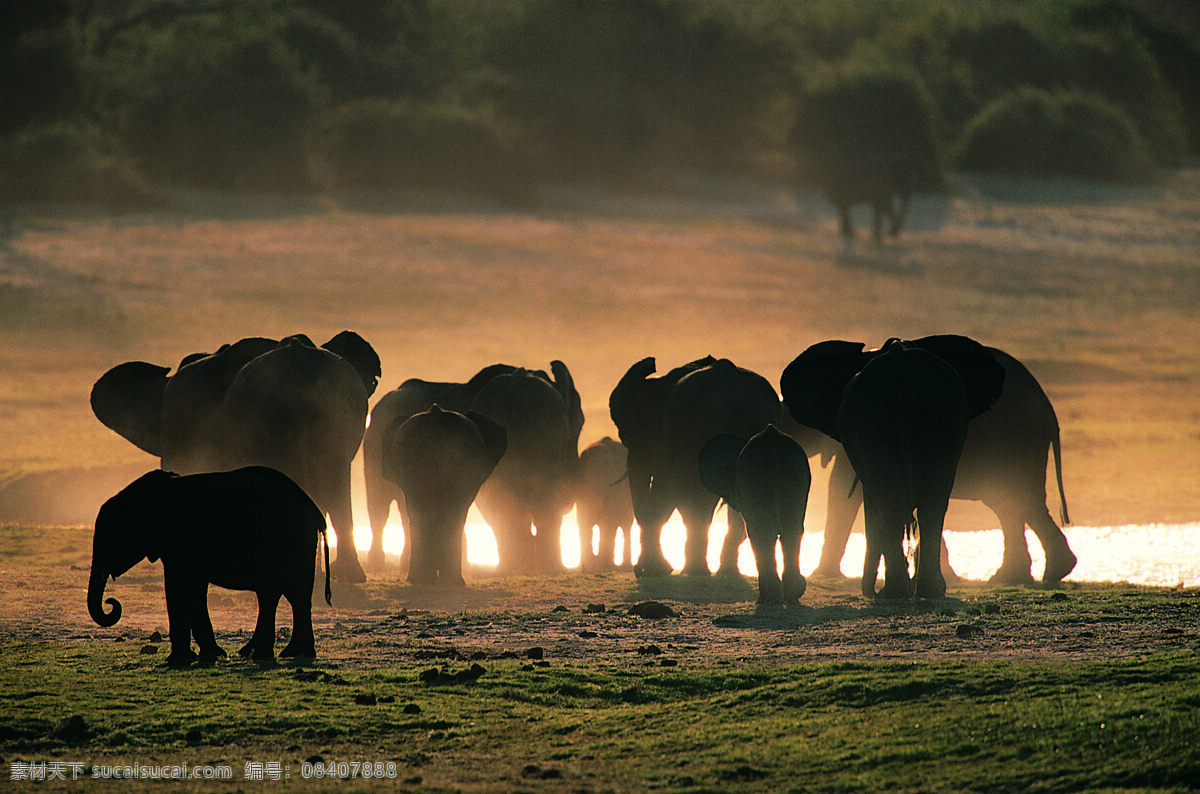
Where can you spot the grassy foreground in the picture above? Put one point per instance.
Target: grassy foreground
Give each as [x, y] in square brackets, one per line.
[898, 725]
[515, 684]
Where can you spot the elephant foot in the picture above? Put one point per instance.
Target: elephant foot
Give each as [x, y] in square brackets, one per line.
[696, 569]
[347, 571]
[1012, 576]
[1059, 566]
[831, 571]
[793, 589]
[375, 559]
[932, 589]
[653, 566]
[181, 658]
[894, 591]
[728, 570]
[209, 655]
[307, 651]
[256, 649]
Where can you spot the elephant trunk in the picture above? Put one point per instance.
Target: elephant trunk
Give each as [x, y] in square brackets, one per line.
[96, 600]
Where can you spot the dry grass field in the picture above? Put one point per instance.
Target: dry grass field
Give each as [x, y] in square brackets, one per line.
[1096, 288]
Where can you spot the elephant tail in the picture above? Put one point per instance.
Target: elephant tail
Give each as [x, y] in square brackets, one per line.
[328, 589]
[1056, 444]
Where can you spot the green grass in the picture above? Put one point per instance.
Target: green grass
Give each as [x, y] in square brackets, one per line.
[841, 726]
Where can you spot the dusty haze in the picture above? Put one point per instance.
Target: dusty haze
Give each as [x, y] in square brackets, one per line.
[1096, 289]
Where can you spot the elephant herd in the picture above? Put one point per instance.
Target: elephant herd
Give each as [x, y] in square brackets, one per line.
[908, 426]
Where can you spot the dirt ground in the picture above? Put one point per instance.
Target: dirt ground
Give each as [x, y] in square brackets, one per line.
[594, 619]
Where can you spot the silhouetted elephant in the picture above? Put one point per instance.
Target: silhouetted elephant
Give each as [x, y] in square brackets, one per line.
[885, 186]
[440, 459]
[664, 422]
[1003, 465]
[525, 499]
[248, 529]
[411, 398]
[766, 479]
[603, 504]
[288, 405]
[901, 414]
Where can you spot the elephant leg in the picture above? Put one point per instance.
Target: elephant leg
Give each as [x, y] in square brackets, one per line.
[770, 589]
[406, 525]
[346, 566]
[262, 642]
[929, 581]
[845, 226]
[842, 508]
[1016, 562]
[651, 561]
[794, 583]
[180, 608]
[303, 642]
[880, 208]
[696, 521]
[588, 559]
[423, 559]
[732, 544]
[202, 628]
[896, 582]
[1060, 560]
[449, 557]
[948, 572]
[547, 543]
[607, 549]
[379, 508]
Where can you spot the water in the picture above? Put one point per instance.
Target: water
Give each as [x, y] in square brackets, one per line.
[1165, 555]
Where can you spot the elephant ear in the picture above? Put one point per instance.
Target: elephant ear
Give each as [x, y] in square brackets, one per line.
[813, 383]
[128, 399]
[494, 436]
[981, 372]
[565, 385]
[628, 405]
[471, 389]
[718, 466]
[359, 353]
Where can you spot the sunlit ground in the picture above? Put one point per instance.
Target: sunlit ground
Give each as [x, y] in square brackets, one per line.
[1156, 554]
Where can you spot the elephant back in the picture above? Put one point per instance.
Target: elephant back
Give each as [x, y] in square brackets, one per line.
[531, 411]
[299, 409]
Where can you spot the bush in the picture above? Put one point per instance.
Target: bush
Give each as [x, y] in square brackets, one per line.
[1030, 131]
[876, 119]
[71, 162]
[376, 143]
[214, 103]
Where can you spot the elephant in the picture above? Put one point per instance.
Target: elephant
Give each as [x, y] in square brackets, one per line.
[901, 413]
[1003, 465]
[543, 417]
[664, 422]
[603, 504]
[285, 404]
[440, 459]
[410, 398]
[885, 186]
[525, 499]
[248, 529]
[766, 479]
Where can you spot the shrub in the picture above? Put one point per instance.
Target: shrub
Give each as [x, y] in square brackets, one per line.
[377, 143]
[1030, 131]
[71, 162]
[215, 103]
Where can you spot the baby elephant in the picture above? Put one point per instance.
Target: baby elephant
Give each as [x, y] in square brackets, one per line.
[603, 503]
[766, 479]
[249, 529]
[440, 459]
